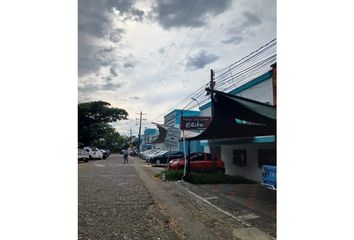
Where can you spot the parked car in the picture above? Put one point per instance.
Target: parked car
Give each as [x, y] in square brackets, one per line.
[105, 153]
[146, 155]
[134, 153]
[166, 157]
[151, 155]
[83, 155]
[93, 152]
[199, 162]
[142, 154]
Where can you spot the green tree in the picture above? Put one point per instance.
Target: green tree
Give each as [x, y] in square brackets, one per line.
[93, 123]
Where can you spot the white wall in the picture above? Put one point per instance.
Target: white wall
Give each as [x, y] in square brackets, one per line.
[251, 170]
[262, 92]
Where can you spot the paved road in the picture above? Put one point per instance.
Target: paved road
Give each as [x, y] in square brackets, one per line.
[124, 201]
[114, 204]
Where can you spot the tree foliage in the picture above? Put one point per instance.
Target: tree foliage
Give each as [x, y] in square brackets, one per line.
[93, 123]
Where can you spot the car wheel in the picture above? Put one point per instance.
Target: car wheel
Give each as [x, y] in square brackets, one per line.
[86, 160]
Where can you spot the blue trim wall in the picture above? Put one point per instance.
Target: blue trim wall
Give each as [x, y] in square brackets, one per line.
[186, 113]
[262, 139]
[245, 86]
[195, 146]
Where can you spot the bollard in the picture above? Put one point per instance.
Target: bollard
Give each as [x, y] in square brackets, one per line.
[163, 177]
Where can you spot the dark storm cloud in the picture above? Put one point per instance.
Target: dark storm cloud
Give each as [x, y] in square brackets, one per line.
[110, 86]
[250, 20]
[138, 15]
[90, 88]
[95, 22]
[116, 35]
[234, 40]
[129, 65]
[113, 72]
[92, 57]
[200, 60]
[186, 13]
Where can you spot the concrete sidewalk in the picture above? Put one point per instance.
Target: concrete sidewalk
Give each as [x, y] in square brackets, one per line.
[250, 204]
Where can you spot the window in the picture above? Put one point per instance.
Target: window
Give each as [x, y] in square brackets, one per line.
[240, 157]
[267, 157]
[197, 157]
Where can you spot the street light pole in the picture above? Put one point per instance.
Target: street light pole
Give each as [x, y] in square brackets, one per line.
[196, 101]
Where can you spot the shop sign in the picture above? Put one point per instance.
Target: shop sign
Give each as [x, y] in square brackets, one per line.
[195, 123]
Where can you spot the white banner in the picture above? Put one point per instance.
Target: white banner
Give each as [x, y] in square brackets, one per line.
[172, 137]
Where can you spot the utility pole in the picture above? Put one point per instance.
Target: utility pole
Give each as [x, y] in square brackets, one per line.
[212, 84]
[140, 119]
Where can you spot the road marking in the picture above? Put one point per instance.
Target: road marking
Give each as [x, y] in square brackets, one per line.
[217, 208]
[211, 198]
[249, 216]
[122, 184]
[99, 165]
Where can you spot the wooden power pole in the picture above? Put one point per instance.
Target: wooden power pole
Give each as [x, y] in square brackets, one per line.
[212, 84]
[140, 119]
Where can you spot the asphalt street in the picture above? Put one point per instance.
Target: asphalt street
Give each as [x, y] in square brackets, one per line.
[125, 201]
[114, 204]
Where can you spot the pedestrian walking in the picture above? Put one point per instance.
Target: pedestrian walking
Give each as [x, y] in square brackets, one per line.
[125, 157]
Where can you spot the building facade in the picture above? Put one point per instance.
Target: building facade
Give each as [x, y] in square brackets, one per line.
[246, 156]
[173, 119]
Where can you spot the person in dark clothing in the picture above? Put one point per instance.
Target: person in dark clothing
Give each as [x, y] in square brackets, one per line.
[125, 157]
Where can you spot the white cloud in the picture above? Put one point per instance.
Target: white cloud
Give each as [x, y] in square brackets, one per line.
[135, 56]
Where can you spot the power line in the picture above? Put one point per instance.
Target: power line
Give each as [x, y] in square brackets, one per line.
[250, 69]
[172, 59]
[269, 44]
[188, 97]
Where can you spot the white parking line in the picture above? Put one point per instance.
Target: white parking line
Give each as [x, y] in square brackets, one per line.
[217, 208]
[249, 216]
[211, 198]
[122, 184]
[99, 165]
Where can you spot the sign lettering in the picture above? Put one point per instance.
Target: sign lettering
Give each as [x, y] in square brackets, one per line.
[195, 123]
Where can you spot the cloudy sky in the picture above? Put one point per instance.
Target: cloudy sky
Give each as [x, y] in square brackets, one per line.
[150, 54]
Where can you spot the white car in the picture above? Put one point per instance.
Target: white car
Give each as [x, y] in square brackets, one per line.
[83, 155]
[93, 152]
[149, 156]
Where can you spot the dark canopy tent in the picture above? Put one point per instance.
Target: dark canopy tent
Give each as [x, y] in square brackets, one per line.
[237, 117]
[162, 133]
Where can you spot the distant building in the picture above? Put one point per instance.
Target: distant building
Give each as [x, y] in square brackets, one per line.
[173, 119]
[149, 135]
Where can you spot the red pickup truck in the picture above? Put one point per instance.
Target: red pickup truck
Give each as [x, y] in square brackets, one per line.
[200, 162]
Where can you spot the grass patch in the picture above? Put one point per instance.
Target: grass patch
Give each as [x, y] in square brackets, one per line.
[204, 178]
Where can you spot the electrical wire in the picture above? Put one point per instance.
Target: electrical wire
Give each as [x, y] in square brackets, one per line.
[269, 44]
